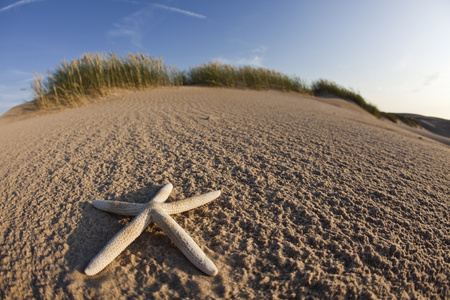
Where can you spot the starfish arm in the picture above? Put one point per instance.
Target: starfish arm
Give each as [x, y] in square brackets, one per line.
[133, 209]
[189, 203]
[118, 243]
[183, 241]
[126, 236]
[119, 207]
[163, 194]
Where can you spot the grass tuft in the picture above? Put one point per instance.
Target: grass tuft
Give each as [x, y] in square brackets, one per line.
[391, 116]
[333, 88]
[409, 121]
[395, 117]
[223, 75]
[96, 74]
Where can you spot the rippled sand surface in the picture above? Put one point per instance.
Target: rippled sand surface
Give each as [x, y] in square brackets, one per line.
[319, 199]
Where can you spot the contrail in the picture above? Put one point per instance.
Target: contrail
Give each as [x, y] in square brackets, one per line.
[181, 11]
[18, 3]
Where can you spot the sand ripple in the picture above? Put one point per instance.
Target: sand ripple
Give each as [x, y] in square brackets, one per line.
[317, 200]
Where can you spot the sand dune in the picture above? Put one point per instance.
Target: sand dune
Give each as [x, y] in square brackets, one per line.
[435, 125]
[434, 128]
[318, 200]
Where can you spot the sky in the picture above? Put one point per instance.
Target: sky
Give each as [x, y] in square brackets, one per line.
[395, 53]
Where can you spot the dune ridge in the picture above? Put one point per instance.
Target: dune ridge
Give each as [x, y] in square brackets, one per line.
[318, 200]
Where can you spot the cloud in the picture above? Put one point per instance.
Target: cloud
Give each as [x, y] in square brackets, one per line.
[19, 73]
[18, 3]
[253, 57]
[260, 49]
[127, 1]
[15, 88]
[428, 81]
[15, 77]
[181, 11]
[13, 94]
[132, 26]
[403, 63]
[253, 60]
[135, 25]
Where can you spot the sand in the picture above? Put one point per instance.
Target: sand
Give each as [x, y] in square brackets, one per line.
[319, 199]
[434, 128]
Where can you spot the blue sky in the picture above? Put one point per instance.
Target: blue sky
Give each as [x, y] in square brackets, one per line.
[396, 53]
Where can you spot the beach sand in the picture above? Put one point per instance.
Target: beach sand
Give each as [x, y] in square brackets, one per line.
[319, 199]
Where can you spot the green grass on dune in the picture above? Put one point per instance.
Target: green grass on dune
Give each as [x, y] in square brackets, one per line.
[390, 116]
[333, 88]
[395, 118]
[222, 75]
[95, 75]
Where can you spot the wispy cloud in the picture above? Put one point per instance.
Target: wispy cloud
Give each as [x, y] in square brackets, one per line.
[430, 79]
[427, 81]
[132, 26]
[15, 88]
[253, 57]
[403, 63]
[18, 3]
[181, 11]
[135, 25]
[28, 76]
[259, 49]
[255, 60]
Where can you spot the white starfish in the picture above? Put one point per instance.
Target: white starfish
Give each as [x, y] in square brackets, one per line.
[159, 212]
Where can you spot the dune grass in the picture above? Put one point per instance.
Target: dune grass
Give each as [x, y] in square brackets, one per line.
[223, 75]
[409, 121]
[325, 86]
[396, 117]
[96, 75]
[390, 116]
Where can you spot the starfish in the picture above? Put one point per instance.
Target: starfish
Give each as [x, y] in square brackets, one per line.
[157, 211]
